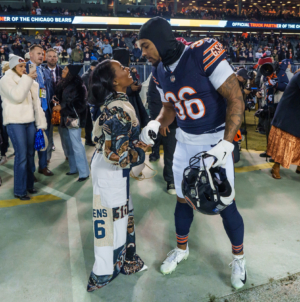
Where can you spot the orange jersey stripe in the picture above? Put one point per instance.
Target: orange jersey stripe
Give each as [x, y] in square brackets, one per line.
[207, 58]
[210, 47]
[214, 60]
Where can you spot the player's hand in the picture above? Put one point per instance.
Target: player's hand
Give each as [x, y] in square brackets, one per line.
[221, 152]
[258, 94]
[163, 131]
[149, 133]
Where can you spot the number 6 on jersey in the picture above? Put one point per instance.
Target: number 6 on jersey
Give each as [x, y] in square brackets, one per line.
[193, 108]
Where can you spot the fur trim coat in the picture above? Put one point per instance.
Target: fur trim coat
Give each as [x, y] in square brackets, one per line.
[20, 100]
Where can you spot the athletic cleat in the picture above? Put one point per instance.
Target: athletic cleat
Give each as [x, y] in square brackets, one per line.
[239, 273]
[173, 258]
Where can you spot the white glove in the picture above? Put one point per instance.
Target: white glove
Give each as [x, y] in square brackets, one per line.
[145, 137]
[221, 151]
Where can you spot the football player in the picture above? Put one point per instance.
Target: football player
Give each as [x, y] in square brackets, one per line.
[198, 86]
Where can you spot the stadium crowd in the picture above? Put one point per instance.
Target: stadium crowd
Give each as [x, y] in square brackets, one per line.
[286, 14]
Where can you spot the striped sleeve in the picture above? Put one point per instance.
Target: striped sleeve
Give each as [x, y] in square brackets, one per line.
[210, 54]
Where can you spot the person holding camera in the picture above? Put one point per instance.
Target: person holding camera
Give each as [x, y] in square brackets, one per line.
[284, 137]
[22, 115]
[273, 81]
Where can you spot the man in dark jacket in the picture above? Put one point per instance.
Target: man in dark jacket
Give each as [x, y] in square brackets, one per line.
[55, 71]
[169, 141]
[46, 92]
[89, 124]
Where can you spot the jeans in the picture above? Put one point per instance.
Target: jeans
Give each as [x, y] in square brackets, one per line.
[63, 140]
[50, 142]
[43, 154]
[76, 152]
[22, 137]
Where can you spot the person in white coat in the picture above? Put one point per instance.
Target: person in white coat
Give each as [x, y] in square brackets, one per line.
[22, 115]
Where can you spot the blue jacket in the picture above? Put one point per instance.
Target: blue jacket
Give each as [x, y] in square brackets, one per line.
[48, 84]
[137, 53]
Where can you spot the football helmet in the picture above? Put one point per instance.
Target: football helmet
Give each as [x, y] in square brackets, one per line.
[206, 189]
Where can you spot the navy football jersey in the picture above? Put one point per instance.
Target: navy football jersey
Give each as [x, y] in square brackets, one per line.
[199, 107]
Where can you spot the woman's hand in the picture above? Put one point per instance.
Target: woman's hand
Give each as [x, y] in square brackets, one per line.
[57, 108]
[33, 74]
[134, 155]
[142, 146]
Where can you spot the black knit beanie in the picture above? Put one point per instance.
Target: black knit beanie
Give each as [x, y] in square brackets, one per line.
[159, 31]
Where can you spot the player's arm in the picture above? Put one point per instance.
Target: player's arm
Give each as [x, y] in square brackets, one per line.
[231, 91]
[166, 118]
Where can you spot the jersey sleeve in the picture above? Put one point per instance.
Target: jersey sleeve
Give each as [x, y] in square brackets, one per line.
[211, 57]
[158, 86]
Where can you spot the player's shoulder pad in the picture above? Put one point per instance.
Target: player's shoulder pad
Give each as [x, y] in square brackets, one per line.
[208, 53]
[206, 45]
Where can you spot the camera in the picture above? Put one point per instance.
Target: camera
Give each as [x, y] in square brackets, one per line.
[268, 69]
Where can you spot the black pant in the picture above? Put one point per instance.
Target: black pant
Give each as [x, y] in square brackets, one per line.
[88, 126]
[3, 131]
[169, 144]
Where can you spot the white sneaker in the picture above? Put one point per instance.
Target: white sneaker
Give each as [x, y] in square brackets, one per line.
[171, 189]
[3, 160]
[173, 258]
[239, 273]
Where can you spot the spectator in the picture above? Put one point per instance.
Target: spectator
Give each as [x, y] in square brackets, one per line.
[106, 49]
[64, 57]
[116, 42]
[259, 54]
[4, 38]
[89, 125]
[250, 56]
[284, 138]
[27, 57]
[275, 55]
[46, 93]
[71, 94]
[3, 56]
[38, 10]
[137, 53]
[283, 54]
[77, 55]
[56, 74]
[3, 130]
[47, 32]
[58, 48]
[290, 54]
[234, 55]
[11, 40]
[86, 56]
[243, 55]
[17, 49]
[22, 113]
